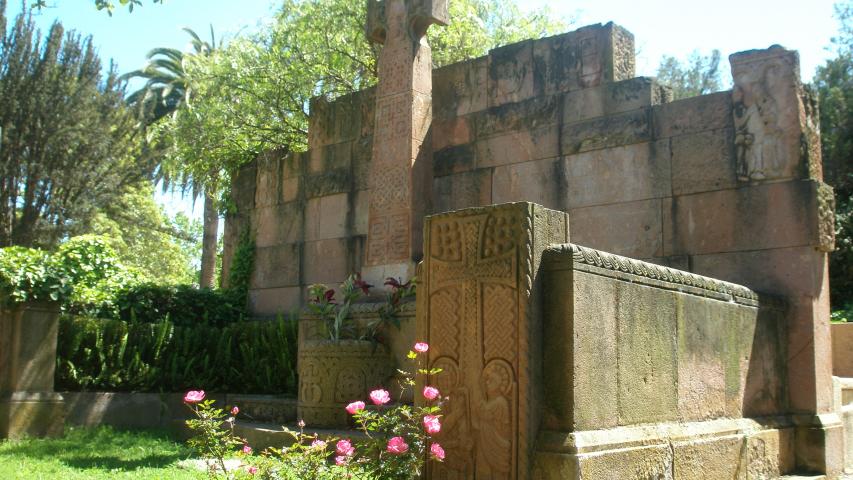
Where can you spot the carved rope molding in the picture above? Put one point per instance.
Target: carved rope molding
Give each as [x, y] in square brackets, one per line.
[700, 285]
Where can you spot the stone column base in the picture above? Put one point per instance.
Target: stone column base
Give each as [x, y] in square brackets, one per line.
[820, 444]
[738, 449]
[26, 414]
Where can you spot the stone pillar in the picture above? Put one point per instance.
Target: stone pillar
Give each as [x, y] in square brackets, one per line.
[28, 404]
[776, 140]
[478, 308]
[400, 171]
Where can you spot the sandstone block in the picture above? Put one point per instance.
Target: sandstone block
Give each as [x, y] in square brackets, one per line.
[275, 301]
[639, 463]
[604, 132]
[610, 99]
[243, 187]
[692, 115]
[360, 207]
[268, 182]
[703, 161]
[451, 132]
[362, 152]
[276, 266]
[294, 164]
[25, 414]
[646, 355]
[290, 189]
[520, 146]
[513, 117]
[278, 224]
[330, 157]
[631, 229]
[842, 349]
[701, 358]
[339, 180]
[463, 190]
[617, 175]
[511, 73]
[770, 453]
[714, 459]
[325, 261]
[460, 88]
[458, 159]
[528, 182]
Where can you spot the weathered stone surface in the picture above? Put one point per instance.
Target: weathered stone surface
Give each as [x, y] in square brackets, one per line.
[461, 88]
[514, 117]
[26, 414]
[463, 190]
[518, 147]
[325, 261]
[604, 132]
[842, 349]
[278, 224]
[243, 187]
[451, 132]
[360, 212]
[717, 459]
[631, 229]
[610, 99]
[275, 301]
[458, 159]
[617, 175]
[529, 181]
[511, 73]
[703, 161]
[776, 215]
[276, 266]
[478, 310]
[702, 342]
[639, 463]
[767, 108]
[267, 192]
[693, 115]
[330, 157]
[770, 453]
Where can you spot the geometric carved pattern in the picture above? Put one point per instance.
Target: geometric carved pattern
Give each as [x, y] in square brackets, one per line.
[499, 306]
[446, 303]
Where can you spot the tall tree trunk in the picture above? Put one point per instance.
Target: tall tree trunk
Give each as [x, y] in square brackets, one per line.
[208, 243]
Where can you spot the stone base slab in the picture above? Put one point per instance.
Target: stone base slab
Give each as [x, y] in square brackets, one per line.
[737, 449]
[820, 444]
[24, 414]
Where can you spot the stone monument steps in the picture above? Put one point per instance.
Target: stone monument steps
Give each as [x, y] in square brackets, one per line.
[803, 477]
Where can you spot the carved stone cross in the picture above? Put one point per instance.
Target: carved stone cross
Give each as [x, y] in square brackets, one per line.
[400, 172]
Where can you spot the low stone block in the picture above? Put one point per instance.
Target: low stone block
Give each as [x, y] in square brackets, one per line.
[268, 182]
[330, 182]
[278, 224]
[703, 161]
[617, 175]
[647, 361]
[275, 301]
[639, 463]
[330, 157]
[294, 164]
[325, 261]
[604, 132]
[457, 159]
[463, 190]
[25, 414]
[519, 146]
[451, 132]
[123, 410]
[512, 117]
[692, 115]
[460, 88]
[701, 355]
[528, 182]
[714, 459]
[511, 73]
[276, 266]
[770, 453]
[631, 229]
[610, 99]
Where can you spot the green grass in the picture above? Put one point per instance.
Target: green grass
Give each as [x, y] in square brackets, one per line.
[100, 453]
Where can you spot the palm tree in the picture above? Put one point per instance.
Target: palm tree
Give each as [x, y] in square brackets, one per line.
[167, 89]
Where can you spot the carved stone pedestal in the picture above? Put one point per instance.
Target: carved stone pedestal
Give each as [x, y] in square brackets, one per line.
[28, 404]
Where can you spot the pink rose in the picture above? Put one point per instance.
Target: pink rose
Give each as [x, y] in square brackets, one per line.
[301, 423]
[397, 446]
[355, 407]
[247, 449]
[253, 470]
[380, 397]
[235, 410]
[430, 393]
[421, 347]
[344, 448]
[340, 460]
[318, 444]
[194, 396]
[436, 451]
[432, 424]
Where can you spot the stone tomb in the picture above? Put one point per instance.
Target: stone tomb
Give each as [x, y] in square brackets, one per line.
[727, 185]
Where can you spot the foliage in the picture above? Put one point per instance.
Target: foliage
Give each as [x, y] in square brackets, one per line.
[114, 355]
[102, 453]
[388, 314]
[28, 275]
[240, 271]
[397, 438]
[336, 316]
[107, 5]
[700, 75]
[183, 305]
[843, 315]
[68, 146]
[834, 83]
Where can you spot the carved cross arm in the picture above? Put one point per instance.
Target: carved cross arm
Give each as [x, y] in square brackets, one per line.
[420, 15]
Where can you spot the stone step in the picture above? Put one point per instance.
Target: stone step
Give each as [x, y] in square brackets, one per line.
[803, 477]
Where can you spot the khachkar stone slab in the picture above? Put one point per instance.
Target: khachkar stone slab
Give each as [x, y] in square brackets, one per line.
[775, 117]
[28, 404]
[479, 310]
[399, 172]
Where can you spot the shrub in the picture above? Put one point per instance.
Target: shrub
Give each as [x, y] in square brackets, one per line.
[183, 305]
[28, 274]
[114, 355]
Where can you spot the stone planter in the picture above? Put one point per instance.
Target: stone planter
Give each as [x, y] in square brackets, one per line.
[28, 404]
[331, 375]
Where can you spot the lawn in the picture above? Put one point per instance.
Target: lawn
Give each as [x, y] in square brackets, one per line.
[101, 453]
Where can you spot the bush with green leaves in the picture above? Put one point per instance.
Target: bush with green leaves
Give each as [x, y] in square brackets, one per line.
[31, 275]
[114, 355]
[182, 305]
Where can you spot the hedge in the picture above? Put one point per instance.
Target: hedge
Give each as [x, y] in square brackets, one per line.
[115, 355]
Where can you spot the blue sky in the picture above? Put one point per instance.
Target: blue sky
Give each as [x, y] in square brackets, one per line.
[659, 26]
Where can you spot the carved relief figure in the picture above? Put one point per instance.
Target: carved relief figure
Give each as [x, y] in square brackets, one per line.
[351, 383]
[456, 431]
[494, 422]
[759, 137]
[310, 391]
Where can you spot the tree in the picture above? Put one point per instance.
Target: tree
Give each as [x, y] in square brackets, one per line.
[167, 90]
[834, 84]
[107, 5]
[69, 145]
[699, 76]
[254, 94]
